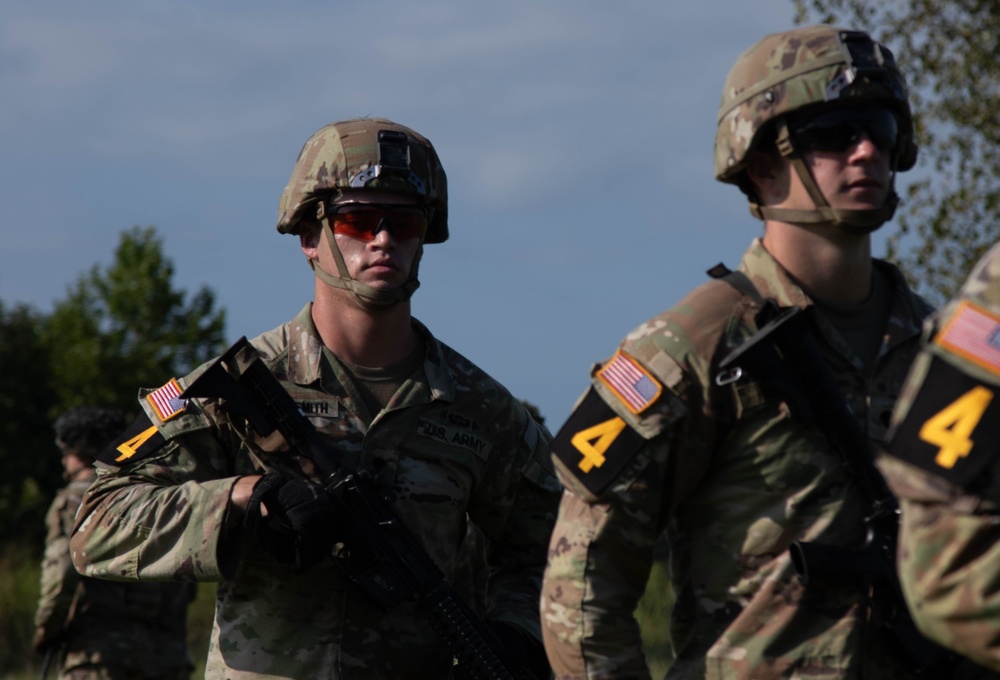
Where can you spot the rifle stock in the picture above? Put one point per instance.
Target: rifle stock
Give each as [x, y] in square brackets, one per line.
[385, 561]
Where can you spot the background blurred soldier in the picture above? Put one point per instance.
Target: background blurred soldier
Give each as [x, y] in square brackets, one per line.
[102, 629]
[814, 124]
[446, 440]
[945, 468]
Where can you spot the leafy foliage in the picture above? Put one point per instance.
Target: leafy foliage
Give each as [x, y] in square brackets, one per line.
[29, 459]
[948, 52]
[19, 581]
[120, 327]
[653, 615]
[124, 326]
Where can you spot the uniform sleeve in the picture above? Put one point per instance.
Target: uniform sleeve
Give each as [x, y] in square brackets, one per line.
[59, 580]
[161, 514]
[947, 562]
[600, 555]
[517, 523]
[943, 464]
[613, 467]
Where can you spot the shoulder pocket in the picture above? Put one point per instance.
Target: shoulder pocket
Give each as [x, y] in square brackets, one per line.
[144, 438]
[596, 443]
[952, 428]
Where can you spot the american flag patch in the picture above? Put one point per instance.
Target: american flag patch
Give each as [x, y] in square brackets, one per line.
[632, 383]
[973, 333]
[166, 400]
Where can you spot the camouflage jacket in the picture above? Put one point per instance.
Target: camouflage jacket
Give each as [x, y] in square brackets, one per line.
[452, 442]
[944, 468]
[732, 479]
[138, 626]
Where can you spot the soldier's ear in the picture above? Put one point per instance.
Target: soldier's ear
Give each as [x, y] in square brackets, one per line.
[768, 174]
[309, 234]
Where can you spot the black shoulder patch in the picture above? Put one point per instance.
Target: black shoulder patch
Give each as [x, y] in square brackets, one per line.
[138, 441]
[953, 427]
[596, 443]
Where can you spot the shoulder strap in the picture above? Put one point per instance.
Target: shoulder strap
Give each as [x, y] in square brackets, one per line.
[737, 280]
[729, 398]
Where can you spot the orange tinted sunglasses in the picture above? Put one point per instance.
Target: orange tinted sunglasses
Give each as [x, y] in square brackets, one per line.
[363, 221]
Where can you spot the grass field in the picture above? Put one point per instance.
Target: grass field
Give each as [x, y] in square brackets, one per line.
[19, 594]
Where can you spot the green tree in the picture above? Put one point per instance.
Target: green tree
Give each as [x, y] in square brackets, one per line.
[29, 460]
[124, 326]
[948, 52]
[120, 327]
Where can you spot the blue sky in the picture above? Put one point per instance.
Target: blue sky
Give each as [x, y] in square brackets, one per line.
[577, 138]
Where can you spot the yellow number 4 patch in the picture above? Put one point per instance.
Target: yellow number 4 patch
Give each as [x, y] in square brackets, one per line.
[951, 428]
[130, 447]
[594, 442]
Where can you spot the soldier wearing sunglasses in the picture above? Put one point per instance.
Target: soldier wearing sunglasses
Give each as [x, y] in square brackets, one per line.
[813, 126]
[190, 492]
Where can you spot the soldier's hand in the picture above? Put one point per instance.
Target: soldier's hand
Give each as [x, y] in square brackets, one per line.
[292, 519]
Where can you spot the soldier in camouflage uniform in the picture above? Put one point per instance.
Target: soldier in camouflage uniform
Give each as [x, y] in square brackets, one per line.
[100, 629]
[194, 494]
[944, 468]
[813, 125]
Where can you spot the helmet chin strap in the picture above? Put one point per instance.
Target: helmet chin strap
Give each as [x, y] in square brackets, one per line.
[851, 221]
[367, 297]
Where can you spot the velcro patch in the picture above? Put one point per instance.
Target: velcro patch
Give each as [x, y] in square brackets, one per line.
[974, 334]
[166, 400]
[630, 381]
[459, 437]
[138, 441]
[595, 444]
[953, 427]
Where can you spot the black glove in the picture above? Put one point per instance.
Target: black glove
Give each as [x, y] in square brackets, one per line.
[299, 526]
[521, 650]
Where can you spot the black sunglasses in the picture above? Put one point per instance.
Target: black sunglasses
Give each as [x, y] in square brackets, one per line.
[839, 130]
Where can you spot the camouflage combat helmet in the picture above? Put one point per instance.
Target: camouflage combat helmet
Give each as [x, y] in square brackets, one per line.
[801, 72]
[359, 154]
[371, 153]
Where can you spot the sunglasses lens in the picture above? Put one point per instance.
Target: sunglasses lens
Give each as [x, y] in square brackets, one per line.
[363, 221]
[359, 224]
[838, 131]
[407, 223]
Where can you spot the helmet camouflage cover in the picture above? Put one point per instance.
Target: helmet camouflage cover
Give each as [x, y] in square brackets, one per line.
[806, 69]
[372, 153]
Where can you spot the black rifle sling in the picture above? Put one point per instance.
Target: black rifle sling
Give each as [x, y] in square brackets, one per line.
[786, 340]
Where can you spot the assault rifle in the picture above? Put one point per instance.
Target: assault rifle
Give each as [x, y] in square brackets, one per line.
[385, 561]
[785, 354]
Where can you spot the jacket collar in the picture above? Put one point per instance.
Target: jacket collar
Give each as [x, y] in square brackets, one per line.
[306, 364]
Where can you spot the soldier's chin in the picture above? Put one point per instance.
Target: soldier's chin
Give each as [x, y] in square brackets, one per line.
[859, 228]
